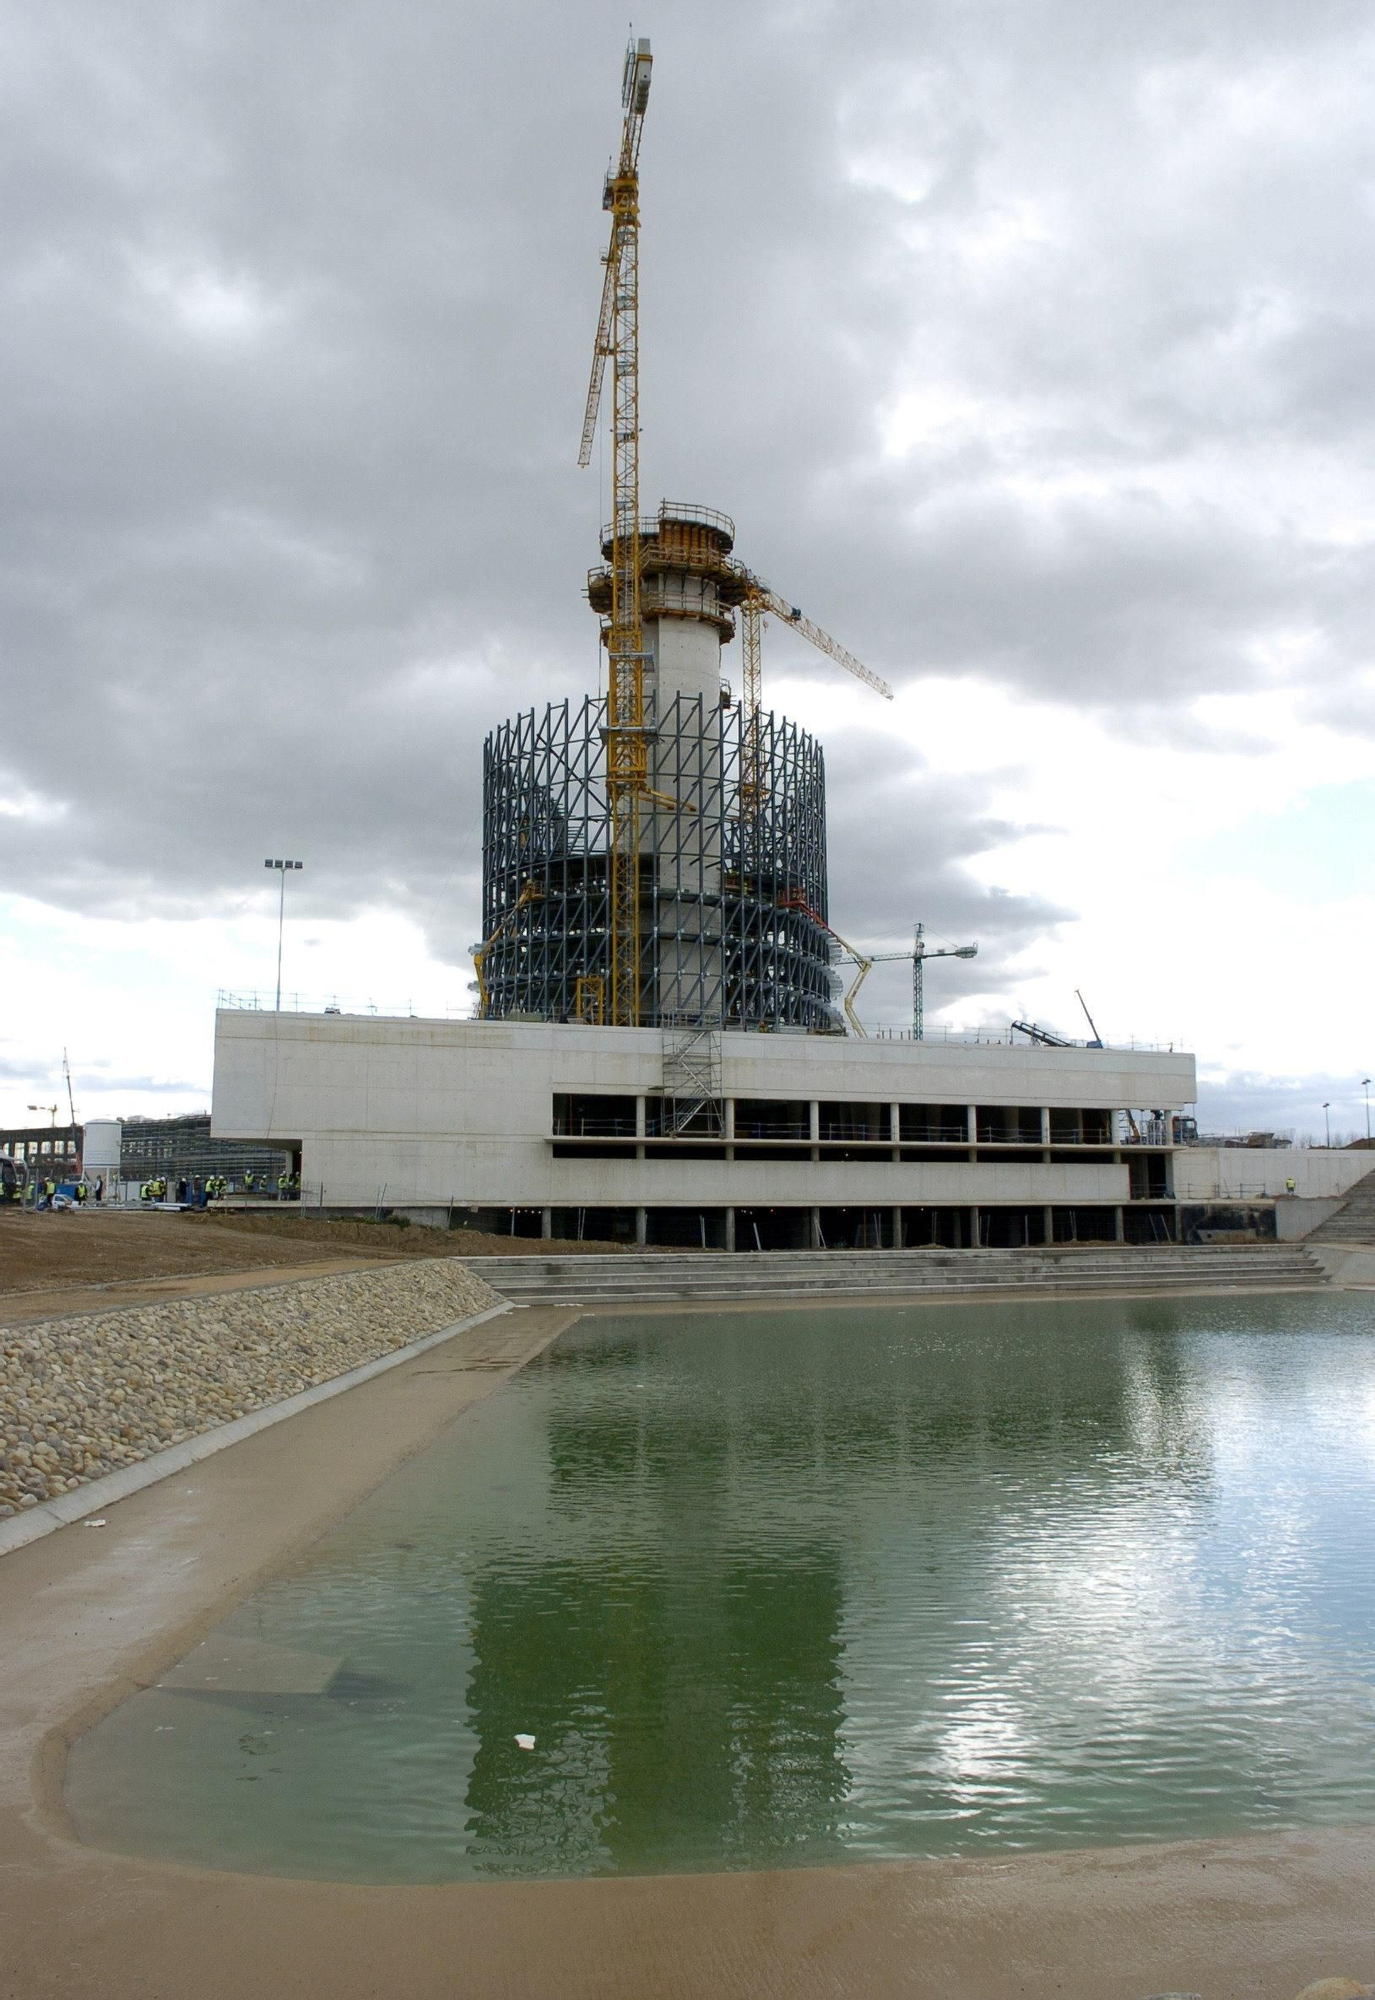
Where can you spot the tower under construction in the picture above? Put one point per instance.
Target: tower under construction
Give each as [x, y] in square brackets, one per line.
[731, 901]
[654, 902]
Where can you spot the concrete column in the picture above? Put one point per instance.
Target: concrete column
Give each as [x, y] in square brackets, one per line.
[546, 1222]
[640, 1118]
[1119, 1229]
[974, 1238]
[897, 1229]
[1045, 1124]
[641, 1226]
[1048, 1225]
[814, 1128]
[971, 1114]
[815, 1233]
[728, 1126]
[730, 1229]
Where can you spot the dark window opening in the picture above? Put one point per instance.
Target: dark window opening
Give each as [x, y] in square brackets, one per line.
[949, 1122]
[772, 1118]
[588, 1115]
[773, 1228]
[1009, 1124]
[853, 1121]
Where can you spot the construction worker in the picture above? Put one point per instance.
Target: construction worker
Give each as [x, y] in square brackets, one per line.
[81, 1192]
[49, 1192]
[248, 1180]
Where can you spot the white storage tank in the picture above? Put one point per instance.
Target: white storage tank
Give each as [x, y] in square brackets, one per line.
[100, 1151]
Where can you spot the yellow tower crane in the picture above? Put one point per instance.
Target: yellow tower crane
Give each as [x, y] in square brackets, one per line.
[618, 341]
[759, 599]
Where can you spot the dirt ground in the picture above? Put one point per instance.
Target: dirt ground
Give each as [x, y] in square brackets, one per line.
[91, 1260]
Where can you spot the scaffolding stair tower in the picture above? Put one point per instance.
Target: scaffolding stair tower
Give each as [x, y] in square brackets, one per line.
[692, 1079]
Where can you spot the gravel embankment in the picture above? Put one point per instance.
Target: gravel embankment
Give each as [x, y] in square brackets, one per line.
[81, 1396]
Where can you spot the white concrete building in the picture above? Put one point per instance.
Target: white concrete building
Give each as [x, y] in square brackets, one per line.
[801, 1140]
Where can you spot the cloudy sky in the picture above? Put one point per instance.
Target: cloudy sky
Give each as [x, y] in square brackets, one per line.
[1029, 345]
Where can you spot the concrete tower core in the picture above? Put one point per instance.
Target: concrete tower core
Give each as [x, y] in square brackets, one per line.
[689, 589]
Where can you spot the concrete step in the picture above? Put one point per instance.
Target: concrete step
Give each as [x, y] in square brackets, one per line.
[716, 1276]
[1354, 1221]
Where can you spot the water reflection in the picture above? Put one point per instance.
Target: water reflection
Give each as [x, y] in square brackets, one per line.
[803, 1587]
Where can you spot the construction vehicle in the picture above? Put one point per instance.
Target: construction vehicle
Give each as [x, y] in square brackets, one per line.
[530, 893]
[1097, 1041]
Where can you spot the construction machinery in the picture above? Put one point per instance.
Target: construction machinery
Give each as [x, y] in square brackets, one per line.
[757, 600]
[618, 341]
[620, 591]
[1097, 1041]
[1043, 1036]
[919, 953]
[532, 892]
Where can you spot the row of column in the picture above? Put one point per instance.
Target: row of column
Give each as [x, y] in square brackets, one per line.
[816, 1235]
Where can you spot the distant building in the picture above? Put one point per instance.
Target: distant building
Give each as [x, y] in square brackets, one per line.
[45, 1149]
[177, 1148]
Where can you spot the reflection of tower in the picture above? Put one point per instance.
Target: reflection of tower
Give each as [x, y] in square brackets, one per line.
[686, 1703]
[732, 836]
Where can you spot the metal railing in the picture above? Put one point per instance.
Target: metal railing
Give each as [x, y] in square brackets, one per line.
[986, 1038]
[264, 1002]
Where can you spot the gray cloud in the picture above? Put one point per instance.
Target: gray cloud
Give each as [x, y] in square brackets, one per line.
[299, 308]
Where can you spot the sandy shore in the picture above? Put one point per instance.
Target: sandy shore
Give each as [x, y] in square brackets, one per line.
[89, 1614]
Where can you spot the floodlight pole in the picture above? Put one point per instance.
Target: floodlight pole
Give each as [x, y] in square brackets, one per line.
[281, 867]
[1365, 1086]
[1327, 1123]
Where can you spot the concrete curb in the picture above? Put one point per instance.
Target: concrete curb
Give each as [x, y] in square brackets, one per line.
[49, 1515]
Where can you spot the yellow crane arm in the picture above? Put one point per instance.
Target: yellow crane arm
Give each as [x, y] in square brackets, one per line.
[531, 892]
[824, 643]
[863, 961]
[599, 354]
[634, 97]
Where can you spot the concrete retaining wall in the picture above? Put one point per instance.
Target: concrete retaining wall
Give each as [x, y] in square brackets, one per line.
[1238, 1173]
[1295, 1218]
[83, 1396]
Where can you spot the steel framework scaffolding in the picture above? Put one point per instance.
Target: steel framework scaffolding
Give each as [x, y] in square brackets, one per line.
[732, 882]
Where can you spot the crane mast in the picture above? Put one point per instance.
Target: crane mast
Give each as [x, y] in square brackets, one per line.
[618, 341]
